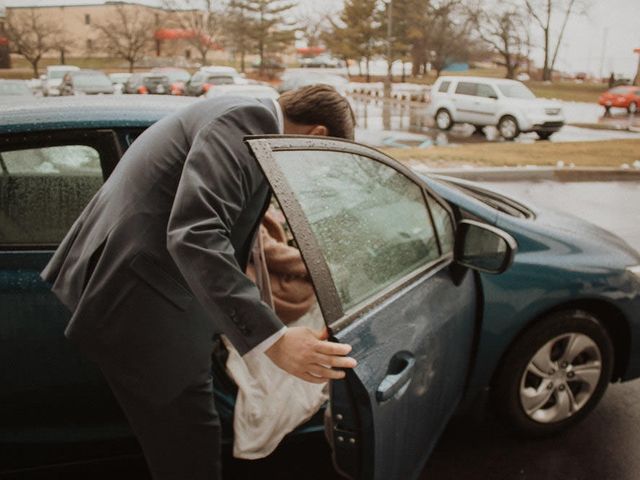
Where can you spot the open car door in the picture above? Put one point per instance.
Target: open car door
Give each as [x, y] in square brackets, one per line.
[378, 246]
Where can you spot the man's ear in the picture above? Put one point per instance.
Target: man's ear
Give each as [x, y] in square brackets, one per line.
[319, 130]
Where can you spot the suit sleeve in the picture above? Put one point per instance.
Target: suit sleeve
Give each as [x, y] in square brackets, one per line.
[218, 176]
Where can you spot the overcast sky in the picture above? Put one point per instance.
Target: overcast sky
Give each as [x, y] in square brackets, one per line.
[600, 41]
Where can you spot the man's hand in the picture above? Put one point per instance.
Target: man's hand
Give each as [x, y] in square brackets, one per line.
[307, 354]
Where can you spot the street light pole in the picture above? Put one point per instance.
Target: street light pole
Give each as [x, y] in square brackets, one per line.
[387, 81]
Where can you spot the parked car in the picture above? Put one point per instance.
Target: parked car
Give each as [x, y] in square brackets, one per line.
[405, 270]
[622, 97]
[53, 78]
[296, 78]
[148, 83]
[249, 90]
[506, 104]
[209, 77]
[118, 80]
[178, 78]
[15, 88]
[322, 61]
[86, 82]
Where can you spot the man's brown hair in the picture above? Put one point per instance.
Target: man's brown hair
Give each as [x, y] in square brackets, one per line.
[319, 105]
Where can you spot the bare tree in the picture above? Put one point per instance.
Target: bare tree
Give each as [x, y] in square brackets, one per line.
[202, 22]
[505, 33]
[543, 14]
[313, 25]
[448, 34]
[127, 34]
[63, 42]
[31, 36]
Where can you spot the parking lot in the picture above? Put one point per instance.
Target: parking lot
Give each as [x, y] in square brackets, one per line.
[394, 123]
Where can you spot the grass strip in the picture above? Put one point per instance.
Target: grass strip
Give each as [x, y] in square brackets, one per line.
[607, 153]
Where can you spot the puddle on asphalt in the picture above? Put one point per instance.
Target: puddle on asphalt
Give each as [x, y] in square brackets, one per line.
[404, 124]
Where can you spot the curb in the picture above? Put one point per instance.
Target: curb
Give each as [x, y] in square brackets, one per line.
[535, 174]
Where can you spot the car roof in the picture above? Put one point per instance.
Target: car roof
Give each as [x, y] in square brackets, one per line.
[43, 114]
[219, 69]
[52, 68]
[478, 79]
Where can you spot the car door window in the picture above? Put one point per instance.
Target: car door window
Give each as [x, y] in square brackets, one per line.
[466, 88]
[370, 221]
[43, 190]
[444, 87]
[486, 91]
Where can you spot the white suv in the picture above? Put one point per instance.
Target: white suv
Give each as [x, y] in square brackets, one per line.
[506, 104]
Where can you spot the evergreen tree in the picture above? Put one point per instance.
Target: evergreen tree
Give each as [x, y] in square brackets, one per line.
[356, 35]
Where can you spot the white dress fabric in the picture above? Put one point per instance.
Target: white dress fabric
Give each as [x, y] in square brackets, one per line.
[270, 402]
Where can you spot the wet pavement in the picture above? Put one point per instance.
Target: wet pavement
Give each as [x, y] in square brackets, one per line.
[400, 124]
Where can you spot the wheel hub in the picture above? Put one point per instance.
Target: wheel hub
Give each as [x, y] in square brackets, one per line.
[560, 378]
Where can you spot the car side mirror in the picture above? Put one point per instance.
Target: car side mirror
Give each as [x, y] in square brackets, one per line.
[483, 247]
[493, 97]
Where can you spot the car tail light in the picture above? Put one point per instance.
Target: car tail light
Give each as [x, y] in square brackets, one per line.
[143, 90]
[206, 87]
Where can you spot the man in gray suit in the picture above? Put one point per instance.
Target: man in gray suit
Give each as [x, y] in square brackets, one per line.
[153, 269]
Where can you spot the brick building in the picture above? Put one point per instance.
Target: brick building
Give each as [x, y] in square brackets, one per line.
[77, 19]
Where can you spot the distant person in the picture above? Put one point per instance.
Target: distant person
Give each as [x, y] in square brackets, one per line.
[612, 80]
[153, 270]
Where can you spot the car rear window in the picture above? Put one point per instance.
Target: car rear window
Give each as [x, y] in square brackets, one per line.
[220, 80]
[466, 88]
[43, 190]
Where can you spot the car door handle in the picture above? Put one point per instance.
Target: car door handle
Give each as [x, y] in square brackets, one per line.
[398, 375]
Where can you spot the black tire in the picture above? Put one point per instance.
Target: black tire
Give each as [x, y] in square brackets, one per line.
[632, 108]
[508, 127]
[544, 135]
[443, 113]
[510, 378]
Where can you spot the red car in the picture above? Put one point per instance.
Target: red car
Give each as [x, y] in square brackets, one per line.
[625, 96]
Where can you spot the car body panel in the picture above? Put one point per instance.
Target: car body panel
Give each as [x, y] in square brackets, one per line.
[406, 329]
[620, 97]
[561, 261]
[533, 114]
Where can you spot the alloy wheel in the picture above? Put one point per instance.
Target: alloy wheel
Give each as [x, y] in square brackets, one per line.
[508, 128]
[443, 120]
[560, 378]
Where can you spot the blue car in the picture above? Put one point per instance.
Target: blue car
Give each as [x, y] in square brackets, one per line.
[447, 292]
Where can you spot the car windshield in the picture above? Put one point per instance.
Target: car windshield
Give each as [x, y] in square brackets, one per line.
[56, 74]
[12, 88]
[516, 90]
[492, 199]
[91, 81]
[220, 80]
[177, 76]
[623, 90]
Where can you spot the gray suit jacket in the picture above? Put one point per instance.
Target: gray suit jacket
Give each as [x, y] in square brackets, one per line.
[153, 267]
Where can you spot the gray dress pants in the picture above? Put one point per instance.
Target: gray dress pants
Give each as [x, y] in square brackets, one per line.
[181, 440]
